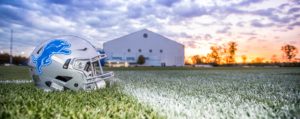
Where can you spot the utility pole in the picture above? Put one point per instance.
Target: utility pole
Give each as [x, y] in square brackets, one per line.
[11, 47]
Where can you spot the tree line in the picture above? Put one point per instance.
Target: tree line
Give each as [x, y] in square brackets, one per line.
[17, 60]
[226, 54]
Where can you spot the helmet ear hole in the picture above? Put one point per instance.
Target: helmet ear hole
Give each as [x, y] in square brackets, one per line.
[48, 83]
[75, 84]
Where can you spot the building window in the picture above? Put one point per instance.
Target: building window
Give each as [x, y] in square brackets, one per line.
[140, 50]
[161, 51]
[145, 35]
[116, 58]
[129, 50]
[130, 58]
[150, 50]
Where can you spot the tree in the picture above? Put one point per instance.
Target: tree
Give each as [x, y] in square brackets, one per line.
[187, 62]
[196, 59]
[214, 56]
[141, 60]
[223, 54]
[244, 58]
[203, 59]
[289, 51]
[232, 50]
[4, 58]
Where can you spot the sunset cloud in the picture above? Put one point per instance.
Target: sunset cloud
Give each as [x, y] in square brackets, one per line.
[196, 24]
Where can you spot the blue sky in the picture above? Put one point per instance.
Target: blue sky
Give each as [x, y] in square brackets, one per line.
[260, 27]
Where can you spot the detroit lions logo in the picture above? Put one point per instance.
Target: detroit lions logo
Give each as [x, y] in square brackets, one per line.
[56, 46]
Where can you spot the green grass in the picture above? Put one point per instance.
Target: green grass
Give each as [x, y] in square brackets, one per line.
[160, 92]
[14, 73]
[26, 101]
[218, 92]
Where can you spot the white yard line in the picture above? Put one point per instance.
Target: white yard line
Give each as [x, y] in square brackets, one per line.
[15, 81]
[176, 107]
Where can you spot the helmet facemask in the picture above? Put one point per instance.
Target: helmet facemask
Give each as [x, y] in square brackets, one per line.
[92, 70]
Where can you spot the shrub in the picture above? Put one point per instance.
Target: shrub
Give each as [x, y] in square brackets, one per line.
[141, 60]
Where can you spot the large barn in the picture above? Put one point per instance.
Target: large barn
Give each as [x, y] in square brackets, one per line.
[157, 49]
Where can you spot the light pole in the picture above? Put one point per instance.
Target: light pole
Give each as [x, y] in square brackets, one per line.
[11, 47]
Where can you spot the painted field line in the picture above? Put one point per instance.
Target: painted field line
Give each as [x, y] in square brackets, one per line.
[15, 81]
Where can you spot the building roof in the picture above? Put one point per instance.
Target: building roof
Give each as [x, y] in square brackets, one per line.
[142, 31]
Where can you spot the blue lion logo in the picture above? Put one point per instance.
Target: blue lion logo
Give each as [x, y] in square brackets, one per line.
[56, 46]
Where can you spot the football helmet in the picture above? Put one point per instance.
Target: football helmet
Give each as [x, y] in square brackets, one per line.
[68, 62]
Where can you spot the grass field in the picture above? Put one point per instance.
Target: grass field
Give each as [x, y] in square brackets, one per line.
[14, 73]
[164, 93]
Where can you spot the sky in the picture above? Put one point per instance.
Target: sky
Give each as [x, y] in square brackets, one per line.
[260, 27]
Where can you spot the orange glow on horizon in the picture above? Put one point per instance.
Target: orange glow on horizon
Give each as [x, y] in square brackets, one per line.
[251, 57]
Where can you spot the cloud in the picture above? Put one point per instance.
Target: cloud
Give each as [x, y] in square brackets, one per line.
[191, 44]
[240, 24]
[284, 5]
[293, 10]
[251, 38]
[248, 2]
[293, 42]
[99, 21]
[134, 12]
[10, 14]
[264, 12]
[271, 14]
[296, 2]
[190, 10]
[224, 30]
[233, 10]
[293, 25]
[167, 3]
[257, 23]
[15, 3]
[62, 2]
[248, 33]
[207, 37]
[185, 35]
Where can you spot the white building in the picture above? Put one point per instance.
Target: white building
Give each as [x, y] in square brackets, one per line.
[157, 49]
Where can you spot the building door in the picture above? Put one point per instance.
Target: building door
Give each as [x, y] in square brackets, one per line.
[163, 64]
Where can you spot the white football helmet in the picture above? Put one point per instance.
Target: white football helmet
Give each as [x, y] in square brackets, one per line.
[68, 62]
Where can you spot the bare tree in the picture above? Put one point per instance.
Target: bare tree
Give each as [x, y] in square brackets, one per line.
[215, 54]
[289, 51]
[232, 48]
[224, 54]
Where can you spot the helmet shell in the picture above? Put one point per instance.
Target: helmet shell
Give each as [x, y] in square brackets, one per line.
[52, 62]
